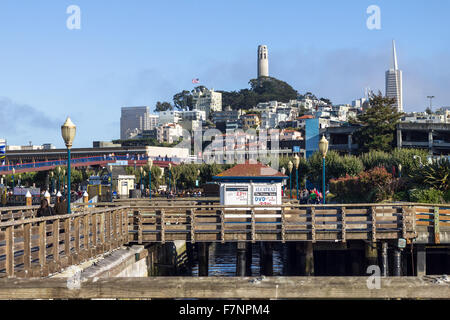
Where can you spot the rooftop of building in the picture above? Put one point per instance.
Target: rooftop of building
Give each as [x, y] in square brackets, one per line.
[250, 170]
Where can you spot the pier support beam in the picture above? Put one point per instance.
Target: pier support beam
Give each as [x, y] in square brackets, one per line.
[371, 254]
[300, 258]
[421, 260]
[203, 258]
[384, 259]
[241, 264]
[290, 267]
[397, 262]
[266, 259]
[248, 260]
[309, 259]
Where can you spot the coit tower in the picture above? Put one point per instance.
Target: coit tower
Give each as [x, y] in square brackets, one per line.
[263, 61]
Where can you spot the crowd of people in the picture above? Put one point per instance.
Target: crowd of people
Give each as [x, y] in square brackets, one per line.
[308, 196]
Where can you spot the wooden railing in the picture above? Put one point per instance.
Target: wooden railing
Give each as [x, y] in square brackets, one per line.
[281, 223]
[433, 217]
[37, 247]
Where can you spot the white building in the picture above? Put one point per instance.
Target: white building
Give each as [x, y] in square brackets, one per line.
[169, 116]
[272, 119]
[394, 82]
[153, 121]
[169, 133]
[423, 117]
[191, 115]
[207, 100]
[358, 103]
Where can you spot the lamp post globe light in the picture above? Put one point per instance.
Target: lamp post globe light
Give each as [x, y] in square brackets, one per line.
[283, 172]
[323, 149]
[297, 163]
[400, 170]
[68, 131]
[150, 165]
[290, 166]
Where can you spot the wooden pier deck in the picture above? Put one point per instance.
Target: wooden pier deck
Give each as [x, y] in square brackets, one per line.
[36, 247]
[227, 288]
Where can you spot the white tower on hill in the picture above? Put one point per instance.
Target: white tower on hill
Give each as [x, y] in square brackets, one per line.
[263, 61]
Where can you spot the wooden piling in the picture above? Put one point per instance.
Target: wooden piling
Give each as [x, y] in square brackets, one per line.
[384, 259]
[371, 254]
[309, 259]
[397, 262]
[240, 259]
[266, 259]
[421, 255]
[203, 258]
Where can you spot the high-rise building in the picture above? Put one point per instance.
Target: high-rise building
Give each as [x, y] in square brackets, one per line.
[394, 81]
[207, 100]
[263, 61]
[134, 120]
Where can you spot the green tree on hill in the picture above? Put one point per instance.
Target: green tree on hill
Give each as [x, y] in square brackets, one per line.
[163, 106]
[263, 89]
[378, 124]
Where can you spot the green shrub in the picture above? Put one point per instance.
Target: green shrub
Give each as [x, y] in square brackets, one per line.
[374, 159]
[336, 166]
[406, 158]
[434, 175]
[426, 195]
[401, 196]
[369, 186]
[447, 196]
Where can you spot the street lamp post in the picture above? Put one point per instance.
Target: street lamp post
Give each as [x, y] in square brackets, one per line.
[150, 164]
[140, 179]
[323, 148]
[431, 99]
[51, 177]
[143, 181]
[400, 170]
[68, 130]
[13, 182]
[111, 181]
[297, 163]
[58, 171]
[290, 166]
[170, 175]
[283, 172]
[198, 178]
[64, 180]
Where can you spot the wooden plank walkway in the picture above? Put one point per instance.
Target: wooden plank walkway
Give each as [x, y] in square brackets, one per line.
[225, 288]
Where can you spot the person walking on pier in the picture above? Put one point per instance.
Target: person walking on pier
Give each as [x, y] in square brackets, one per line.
[45, 210]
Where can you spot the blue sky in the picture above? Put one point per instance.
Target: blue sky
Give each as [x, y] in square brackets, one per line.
[138, 52]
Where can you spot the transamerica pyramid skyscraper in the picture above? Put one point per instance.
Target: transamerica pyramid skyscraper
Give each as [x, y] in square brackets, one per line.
[394, 81]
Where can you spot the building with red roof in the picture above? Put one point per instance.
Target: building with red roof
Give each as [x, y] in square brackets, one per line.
[250, 184]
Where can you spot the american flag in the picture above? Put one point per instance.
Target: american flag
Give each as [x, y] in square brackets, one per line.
[197, 80]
